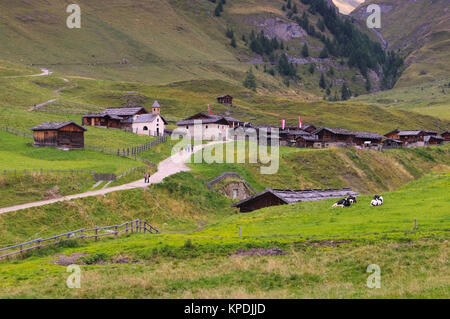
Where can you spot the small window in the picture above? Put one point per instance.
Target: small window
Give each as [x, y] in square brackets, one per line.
[157, 120]
[145, 128]
[206, 126]
[187, 127]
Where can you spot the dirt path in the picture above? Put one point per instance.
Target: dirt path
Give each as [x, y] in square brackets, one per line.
[43, 70]
[166, 168]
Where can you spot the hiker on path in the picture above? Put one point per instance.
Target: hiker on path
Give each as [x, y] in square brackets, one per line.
[147, 178]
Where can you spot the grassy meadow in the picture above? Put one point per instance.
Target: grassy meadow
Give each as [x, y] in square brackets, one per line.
[327, 253]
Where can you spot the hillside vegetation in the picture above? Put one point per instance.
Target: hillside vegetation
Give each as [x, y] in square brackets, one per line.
[183, 202]
[327, 253]
[420, 31]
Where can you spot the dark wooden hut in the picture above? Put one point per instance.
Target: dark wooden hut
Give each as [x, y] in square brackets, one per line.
[225, 99]
[59, 134]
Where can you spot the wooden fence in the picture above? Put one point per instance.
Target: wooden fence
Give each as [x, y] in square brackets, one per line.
[134, 226]
[47, 171]
[15, 131]
[129, 151]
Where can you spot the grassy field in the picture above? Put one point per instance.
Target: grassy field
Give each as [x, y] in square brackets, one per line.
[16, 152]
[428, 98]
[414, 263]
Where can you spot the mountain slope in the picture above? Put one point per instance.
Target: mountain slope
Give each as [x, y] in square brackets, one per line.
[420, 30]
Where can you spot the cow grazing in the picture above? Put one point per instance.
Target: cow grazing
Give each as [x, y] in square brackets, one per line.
[342, 203]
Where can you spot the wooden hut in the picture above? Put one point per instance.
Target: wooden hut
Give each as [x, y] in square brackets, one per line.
[113, 117]
[225, 99]
[59, 134]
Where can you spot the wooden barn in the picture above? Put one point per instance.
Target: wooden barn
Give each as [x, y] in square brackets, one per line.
[335, 135]
[225, 99]
[433, 140]
[59, 134]
[113, 117]
[392, 143]
[274, 197]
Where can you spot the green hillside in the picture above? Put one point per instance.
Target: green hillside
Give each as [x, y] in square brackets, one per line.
[326, 250]
[420, 30]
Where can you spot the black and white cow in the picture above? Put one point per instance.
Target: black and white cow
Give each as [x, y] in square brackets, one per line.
[377, 201]
[342, 203]
[351, 199]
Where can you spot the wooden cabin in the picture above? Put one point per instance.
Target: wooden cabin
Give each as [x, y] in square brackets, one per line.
[363, 138]
[59, 134]
[335, 135]
[392, 143]
[433, 140]
[225, 99]
[113, 117]
[409, 137]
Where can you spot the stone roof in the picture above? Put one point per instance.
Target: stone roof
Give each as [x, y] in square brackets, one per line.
[123, 111]
[49, 126]
[289, 196]
[156, 104]
[409, 133]
[144, 118]
[204, 119]
[436, 137]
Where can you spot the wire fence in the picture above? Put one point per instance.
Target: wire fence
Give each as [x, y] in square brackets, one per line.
[134, 226]
[16, 131]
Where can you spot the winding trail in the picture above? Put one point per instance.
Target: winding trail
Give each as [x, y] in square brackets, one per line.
[170, 166]
[43, 70]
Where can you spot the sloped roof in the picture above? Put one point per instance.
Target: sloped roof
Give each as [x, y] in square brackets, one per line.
[156, 104]
[204, 118]
[339, 131]
[145, 118]
[49, 126]
[409, 133]
[289, 196]
[370, 135]
[124, 111]
[436, 137]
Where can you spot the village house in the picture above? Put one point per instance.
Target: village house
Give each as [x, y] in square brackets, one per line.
[113, 117]
[213, 127]
[275, 197]
[225, 99]
[147, 124]
[59, 134]
[392, 143]
[433, 140]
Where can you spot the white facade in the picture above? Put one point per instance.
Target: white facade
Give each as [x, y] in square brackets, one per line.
[210, 131]
[153, 125]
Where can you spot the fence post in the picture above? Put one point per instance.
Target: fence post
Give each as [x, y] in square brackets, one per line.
[145, 223]
[21, 252]
[137, 225]
[96, 234]
[39, 244]
[115, 232]
[126, 228]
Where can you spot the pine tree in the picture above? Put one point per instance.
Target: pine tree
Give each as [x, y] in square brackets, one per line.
[250, 80]
[233, 42]
[305, 51]
[312, 68]
[219, 9]
[345, 92]
[322, 82]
